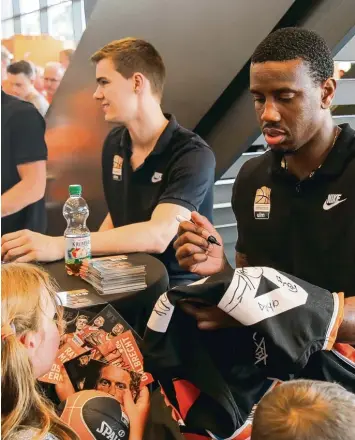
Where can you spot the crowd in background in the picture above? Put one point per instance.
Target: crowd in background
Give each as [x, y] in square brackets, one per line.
[31, 82]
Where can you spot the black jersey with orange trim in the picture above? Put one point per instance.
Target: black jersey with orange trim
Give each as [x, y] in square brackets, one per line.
[213, 380]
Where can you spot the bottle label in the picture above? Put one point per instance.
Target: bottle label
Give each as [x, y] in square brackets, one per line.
[77, 249]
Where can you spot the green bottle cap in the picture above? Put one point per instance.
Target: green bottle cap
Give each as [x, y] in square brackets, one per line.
[75, 190]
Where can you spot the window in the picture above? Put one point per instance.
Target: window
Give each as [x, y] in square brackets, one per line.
[28, 6]
[60, 21]
[6, 9]
[30, 24]
[7, 28]
[55, 2]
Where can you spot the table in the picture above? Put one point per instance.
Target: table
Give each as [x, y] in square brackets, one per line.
[135, 307]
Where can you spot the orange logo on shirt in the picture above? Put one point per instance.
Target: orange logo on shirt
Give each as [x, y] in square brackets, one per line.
[262, 203]
[262, 196]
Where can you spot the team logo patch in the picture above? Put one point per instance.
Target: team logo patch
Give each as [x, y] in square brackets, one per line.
[157, 177]
[262, 203]
[332, 200]
[117, 167]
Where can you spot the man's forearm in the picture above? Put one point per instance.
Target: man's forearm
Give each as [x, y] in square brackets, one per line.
[346, 332]
[137, 237]
[106, 224]
[18, 197]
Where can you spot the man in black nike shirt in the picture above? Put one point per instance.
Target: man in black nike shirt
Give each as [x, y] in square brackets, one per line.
[295, 204]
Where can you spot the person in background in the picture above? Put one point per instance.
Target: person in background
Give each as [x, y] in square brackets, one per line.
[39, 81]
[6, 57]
[166, 169]
[65, 57]
[53, 74]
[23, 166]
[21, 77]
[305, 410]
[29, 344]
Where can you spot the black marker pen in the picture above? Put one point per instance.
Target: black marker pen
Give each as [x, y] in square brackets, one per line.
[211, 239]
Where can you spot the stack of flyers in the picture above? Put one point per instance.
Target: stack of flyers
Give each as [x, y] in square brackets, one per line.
[78, 299]
[104, 326]
[99, 352]
[75, 322]
[115, 274]
[70, 350]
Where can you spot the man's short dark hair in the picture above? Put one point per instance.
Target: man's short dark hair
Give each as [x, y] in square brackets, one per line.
[297, 43]
[21, 67]
[131, 55]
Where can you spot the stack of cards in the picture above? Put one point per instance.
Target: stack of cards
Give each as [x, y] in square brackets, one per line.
[113, 274]
[99, 351]
[79, 299]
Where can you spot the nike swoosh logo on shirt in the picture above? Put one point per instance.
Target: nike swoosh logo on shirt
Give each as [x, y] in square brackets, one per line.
[327, 206]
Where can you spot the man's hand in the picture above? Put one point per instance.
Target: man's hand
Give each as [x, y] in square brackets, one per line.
[24, 246]
[137, 412]
[194, 252]
[208, 317]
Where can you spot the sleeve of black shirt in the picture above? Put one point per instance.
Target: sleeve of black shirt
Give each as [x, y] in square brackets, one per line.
[27, 135]
[190, 178]
[237, 196]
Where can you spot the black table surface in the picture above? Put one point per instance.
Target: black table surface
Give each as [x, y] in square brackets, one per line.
[136, 306]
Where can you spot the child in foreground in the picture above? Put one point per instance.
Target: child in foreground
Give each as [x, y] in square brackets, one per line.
[30, 337]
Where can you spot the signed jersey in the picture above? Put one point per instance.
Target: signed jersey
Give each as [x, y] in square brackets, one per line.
[213, 380]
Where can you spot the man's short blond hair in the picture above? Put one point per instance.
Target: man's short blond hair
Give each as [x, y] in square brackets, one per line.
[305, 410]
[131, 55]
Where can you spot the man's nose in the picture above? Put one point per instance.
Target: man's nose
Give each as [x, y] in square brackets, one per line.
[98, 94]
[112, 390]
[270, 113]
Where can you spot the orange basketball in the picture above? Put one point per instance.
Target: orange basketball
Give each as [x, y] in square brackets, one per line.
[262, 195]
[95, 415]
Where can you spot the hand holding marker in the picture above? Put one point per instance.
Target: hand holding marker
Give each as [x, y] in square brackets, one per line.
[211, 239]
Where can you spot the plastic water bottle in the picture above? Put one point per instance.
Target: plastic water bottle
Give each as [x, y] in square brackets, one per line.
[77, 235]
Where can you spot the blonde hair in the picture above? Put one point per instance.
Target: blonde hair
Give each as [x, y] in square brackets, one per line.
[305, 410]
[131, 55]
[22, 404]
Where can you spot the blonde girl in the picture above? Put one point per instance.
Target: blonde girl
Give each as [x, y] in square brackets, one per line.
[29, 341]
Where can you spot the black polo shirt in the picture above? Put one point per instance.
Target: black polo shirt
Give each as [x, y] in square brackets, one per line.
[305, 228]
[180, 170]
[22, 141]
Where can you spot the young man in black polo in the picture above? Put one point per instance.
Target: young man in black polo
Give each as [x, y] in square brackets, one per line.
[153, 169]
[295, 204]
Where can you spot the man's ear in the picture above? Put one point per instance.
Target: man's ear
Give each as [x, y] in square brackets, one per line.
[328, 91]
[138, 82]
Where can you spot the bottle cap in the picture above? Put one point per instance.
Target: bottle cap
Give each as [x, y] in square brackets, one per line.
[75, 190]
